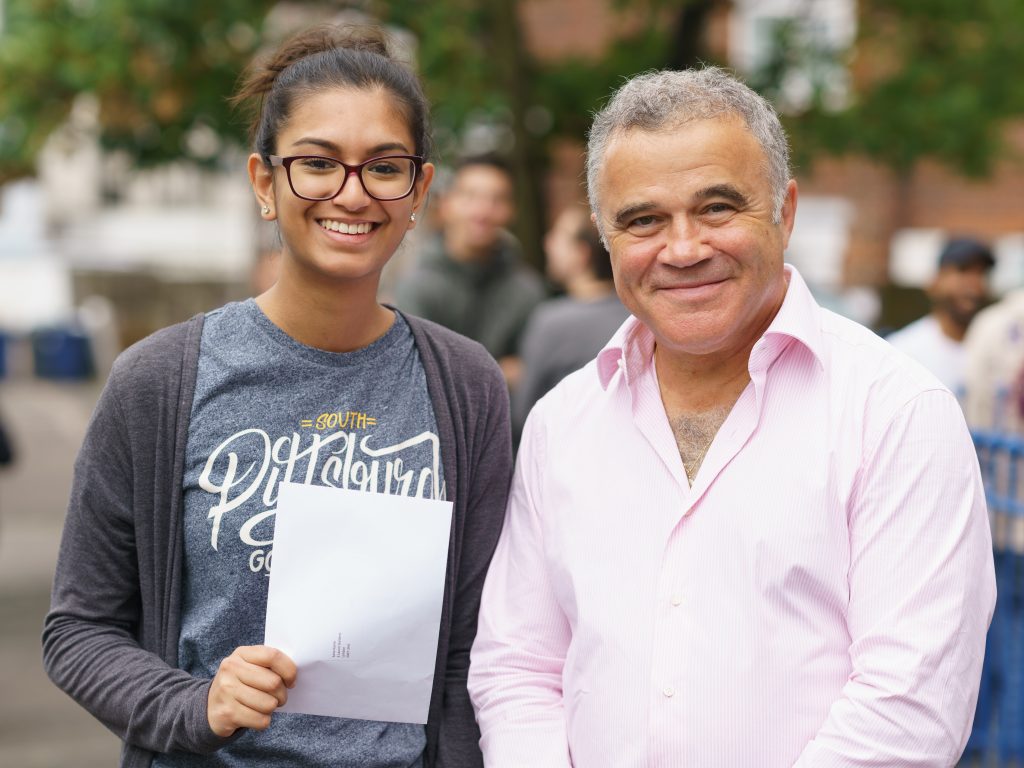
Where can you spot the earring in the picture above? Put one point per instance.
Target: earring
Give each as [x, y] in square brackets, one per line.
[266, 209]
[412, 216]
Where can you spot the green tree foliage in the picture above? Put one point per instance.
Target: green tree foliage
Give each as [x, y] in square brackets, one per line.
[477, 70]
[160, 70]
[935, 79]
[475, 67]
[927, 79]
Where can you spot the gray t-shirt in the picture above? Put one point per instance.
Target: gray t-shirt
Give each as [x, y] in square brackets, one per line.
[267, 409]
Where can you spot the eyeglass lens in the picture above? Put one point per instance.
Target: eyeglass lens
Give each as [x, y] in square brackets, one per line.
[385, 178]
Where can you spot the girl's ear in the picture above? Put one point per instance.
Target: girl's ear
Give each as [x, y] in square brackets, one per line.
[262, 179]
[420, 190]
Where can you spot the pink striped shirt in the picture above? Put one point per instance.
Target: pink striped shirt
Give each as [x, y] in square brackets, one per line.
[819, 597]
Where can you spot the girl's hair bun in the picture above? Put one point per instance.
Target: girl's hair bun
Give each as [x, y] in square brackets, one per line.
[259, 78]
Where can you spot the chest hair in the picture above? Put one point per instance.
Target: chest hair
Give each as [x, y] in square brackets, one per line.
[694, 433]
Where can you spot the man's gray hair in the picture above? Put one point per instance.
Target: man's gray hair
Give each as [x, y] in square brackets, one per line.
[657, 101]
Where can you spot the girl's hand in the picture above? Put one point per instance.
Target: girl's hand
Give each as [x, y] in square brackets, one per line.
[249, 685]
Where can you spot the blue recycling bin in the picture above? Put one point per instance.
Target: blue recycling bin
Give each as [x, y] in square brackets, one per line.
[61, 353]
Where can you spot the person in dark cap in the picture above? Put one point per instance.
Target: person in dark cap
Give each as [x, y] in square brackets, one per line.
[957, 292]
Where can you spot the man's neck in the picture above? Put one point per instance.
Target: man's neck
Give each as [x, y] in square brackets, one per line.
[459, 250]
[698, 397]
[950, 328]
[695, 385]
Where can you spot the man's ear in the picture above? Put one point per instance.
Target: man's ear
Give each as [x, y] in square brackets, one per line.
[788, 216]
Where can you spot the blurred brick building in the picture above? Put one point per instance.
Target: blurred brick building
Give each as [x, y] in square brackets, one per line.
[858, 223]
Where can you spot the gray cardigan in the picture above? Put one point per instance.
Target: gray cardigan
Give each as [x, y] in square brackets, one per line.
[110, 639]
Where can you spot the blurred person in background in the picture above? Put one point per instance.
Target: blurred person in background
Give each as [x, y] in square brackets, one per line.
[994, 404]
[957, 292]
[752, 534]
[472, 277]
[565, 333]
[994, 381]
[159, 601]
[6, 446]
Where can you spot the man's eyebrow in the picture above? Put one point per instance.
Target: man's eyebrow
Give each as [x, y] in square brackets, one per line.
[727, 191]
[723, 191]
[623, 215]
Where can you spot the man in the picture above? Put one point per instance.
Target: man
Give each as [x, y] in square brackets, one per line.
[994, 406]
[565, 333]
[472, 278]
[957, 292]
[994, 391]
[748, 534]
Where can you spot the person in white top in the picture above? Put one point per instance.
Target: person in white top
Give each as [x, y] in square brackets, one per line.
[957, 293]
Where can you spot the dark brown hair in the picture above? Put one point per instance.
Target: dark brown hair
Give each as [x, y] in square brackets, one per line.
[600, 261]
[329, 57]
[488, 160]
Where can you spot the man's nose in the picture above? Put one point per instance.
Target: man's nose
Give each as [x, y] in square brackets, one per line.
[685, 243]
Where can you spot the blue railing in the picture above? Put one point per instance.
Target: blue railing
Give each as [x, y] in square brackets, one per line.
[998, 735]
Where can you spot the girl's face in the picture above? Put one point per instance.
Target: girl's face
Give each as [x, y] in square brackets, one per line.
[352, 126]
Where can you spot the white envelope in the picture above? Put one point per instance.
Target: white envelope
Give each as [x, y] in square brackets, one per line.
[355, 600]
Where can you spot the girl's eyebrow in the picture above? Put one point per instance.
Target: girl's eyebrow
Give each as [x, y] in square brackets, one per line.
[332, 147]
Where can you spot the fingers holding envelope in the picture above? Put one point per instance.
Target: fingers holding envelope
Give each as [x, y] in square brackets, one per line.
[249, 685]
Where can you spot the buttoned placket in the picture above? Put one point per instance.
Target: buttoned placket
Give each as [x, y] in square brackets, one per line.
[665, 684]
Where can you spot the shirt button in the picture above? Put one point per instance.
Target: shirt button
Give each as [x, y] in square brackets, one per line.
[669, 691]
[676, 601]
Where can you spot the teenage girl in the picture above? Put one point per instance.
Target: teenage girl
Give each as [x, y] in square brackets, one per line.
[156, 623]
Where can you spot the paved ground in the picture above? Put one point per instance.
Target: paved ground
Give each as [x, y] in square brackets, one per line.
[40, 727]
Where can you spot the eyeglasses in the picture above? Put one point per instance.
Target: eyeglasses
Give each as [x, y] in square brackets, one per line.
[313, 177]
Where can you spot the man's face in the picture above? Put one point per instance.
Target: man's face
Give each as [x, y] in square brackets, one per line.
[960, 291]
[478, 206]
[687, 214]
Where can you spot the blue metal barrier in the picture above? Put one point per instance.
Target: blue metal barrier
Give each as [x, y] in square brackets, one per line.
[998, 735]
[61, 353]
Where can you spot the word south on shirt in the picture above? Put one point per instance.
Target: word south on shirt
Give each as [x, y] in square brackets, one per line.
[269, 409]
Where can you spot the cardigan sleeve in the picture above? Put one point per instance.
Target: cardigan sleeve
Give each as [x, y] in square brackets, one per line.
[91, 648]
[488, 477]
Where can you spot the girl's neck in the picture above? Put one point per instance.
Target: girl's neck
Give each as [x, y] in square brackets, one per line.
[335, 317]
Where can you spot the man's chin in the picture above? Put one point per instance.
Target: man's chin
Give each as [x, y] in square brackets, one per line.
[963, 317]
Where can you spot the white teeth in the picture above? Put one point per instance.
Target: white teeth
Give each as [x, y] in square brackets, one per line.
[345, 228]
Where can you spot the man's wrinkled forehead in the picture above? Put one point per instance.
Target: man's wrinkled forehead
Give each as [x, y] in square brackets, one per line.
[655, 136]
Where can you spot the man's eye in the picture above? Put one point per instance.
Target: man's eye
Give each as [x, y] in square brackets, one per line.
[643, 221]
[718, 209]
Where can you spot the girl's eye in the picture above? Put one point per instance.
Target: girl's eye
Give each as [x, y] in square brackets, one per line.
[383, 168]
[318, 164]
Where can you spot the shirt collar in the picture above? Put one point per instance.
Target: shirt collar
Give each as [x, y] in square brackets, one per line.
[632, 346]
